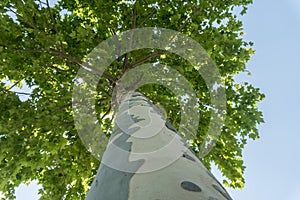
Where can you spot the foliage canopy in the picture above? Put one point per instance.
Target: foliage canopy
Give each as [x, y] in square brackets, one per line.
[43, 44]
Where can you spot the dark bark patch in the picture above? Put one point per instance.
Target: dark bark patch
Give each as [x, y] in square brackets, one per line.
[187, 185]
[187, 156]
[169, 126]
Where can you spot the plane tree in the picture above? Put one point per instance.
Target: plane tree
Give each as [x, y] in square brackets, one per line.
[44, 43]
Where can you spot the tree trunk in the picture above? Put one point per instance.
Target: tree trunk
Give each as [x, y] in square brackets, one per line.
[146, 159]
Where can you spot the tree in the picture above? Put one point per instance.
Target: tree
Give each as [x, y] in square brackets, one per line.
[43, 44]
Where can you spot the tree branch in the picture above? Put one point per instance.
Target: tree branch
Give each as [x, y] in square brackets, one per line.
[55, 26]
[66, 56]
[147, 18]
[160, 52]
[32, 25]
[134, 16]
[21, 93]
[79, 62]
[148, 57]
[16, 83]
[106, 113]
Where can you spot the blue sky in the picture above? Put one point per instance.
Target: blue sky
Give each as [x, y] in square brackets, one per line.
[273, 161]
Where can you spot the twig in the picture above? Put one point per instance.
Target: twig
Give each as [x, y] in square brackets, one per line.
[184, 24]
[55, 26]
[148, 57]
[66, 56]
[106, 113]
[125, 64]
[16, 83]
[161, 52]
[148, 17]
[32, 26]
[79, 62]
[21, 93]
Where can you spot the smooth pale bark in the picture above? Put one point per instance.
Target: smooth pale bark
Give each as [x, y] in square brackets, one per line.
[155, 163]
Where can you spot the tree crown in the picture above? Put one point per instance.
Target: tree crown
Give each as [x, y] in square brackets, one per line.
[43, 44]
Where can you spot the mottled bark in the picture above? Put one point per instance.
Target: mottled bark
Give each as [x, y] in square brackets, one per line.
[146, 159]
